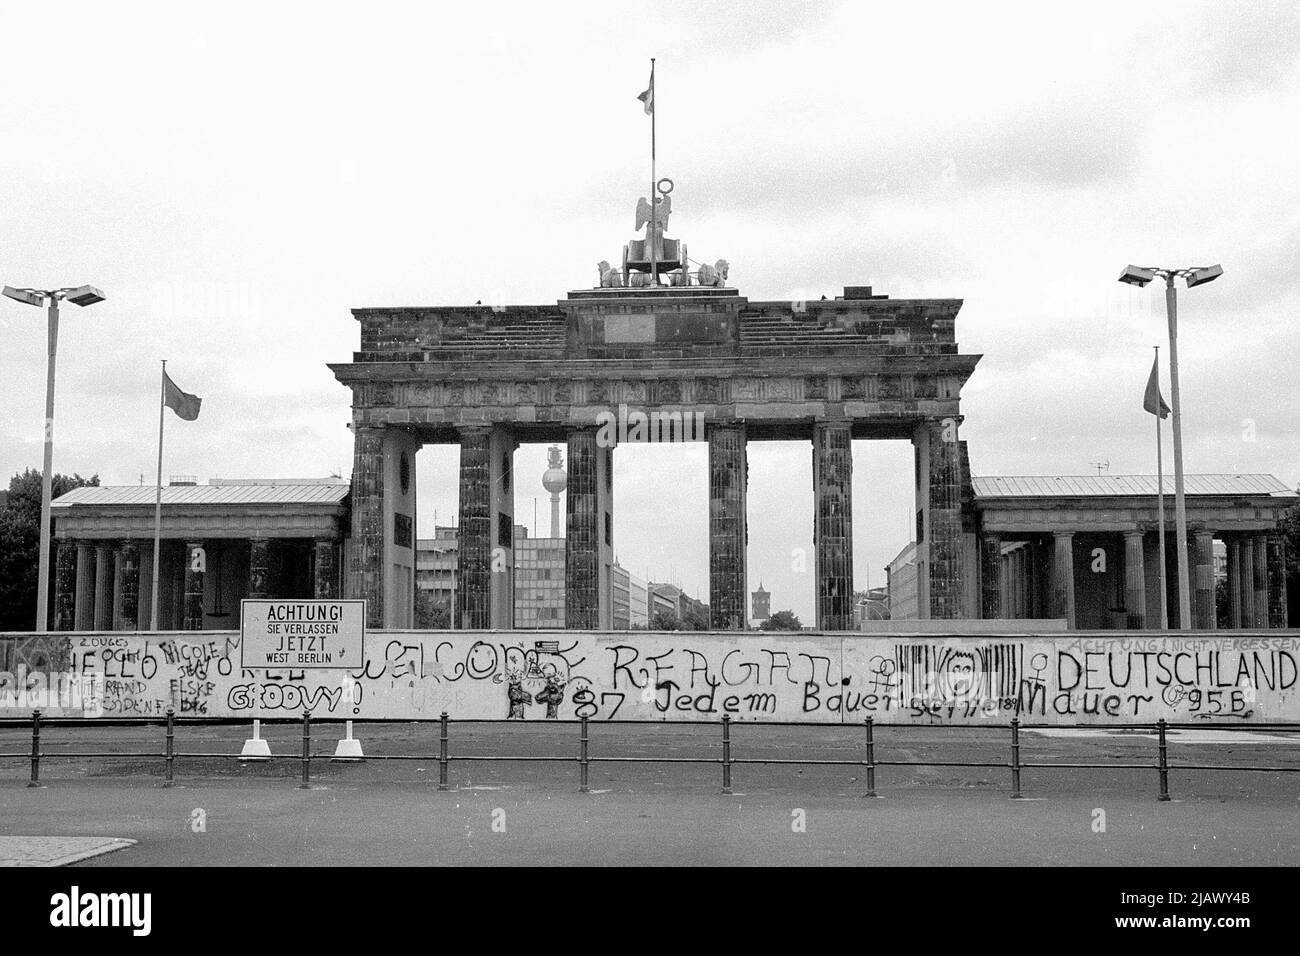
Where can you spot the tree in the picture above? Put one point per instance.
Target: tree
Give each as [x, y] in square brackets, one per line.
[782, 621]
[430, 615]
[665, 621]
[20, 545]
[1289, 528]
[695, 618]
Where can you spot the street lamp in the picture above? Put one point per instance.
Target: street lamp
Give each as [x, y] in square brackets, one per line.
[1199, 275]
[79, 295]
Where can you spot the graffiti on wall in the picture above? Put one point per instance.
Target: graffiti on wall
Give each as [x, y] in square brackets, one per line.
[1058, 679]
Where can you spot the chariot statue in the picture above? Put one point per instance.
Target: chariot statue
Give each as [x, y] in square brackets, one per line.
[655, 254]
[656, 260]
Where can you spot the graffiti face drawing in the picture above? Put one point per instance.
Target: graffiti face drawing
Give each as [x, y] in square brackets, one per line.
[958, 676]
[481, 661]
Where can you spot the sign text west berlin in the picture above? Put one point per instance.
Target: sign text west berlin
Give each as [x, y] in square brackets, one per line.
[302, 634]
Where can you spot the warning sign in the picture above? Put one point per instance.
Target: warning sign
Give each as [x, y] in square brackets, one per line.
[302, 634]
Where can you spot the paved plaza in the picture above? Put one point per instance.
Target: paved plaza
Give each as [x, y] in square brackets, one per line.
[221, 812]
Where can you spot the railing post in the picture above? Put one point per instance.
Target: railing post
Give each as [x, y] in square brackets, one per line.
[583, 760]
[871, 757]
[306, 751]
[726, 753]
[36, 750]
[1015, 758]
[171, 745]
[442, 752]
[1164, 761]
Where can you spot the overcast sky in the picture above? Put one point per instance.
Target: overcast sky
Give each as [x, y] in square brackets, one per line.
[237, 177]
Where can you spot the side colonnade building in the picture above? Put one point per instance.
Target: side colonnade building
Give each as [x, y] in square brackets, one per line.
[221, 542]
[1086, 549]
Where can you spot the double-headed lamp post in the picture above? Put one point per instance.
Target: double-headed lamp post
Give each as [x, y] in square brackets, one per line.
[1140, 276]
[80, 295]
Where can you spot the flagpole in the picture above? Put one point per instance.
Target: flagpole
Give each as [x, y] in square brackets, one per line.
[1160, 499]
[654, 196]
[157, 501]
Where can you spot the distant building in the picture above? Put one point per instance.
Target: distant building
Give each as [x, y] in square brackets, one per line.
[901, 587]
[436, 562]
[870, 605]
[539, 575]
[665, 599]
[630, 599]
[762, 601]
[621, 584]
[638, 602]
[539, 582]
[670, 599]
[694, 608]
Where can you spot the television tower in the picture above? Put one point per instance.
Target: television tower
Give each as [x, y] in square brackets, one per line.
[555, 480]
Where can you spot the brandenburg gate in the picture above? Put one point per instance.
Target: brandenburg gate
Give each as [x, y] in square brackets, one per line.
[659, 339]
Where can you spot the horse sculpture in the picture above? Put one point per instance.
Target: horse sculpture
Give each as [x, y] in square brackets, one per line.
[716, 274]
[609, 276]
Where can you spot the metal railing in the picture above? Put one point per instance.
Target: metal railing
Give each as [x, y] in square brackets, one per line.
[1016, 765]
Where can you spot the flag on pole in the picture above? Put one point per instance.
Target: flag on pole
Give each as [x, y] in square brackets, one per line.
[1154, 402]
[648, 97]
[185, 405]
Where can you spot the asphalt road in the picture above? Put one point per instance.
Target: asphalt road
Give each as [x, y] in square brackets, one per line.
[222, 812]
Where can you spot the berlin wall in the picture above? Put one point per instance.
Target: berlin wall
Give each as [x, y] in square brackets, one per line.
[684, 676]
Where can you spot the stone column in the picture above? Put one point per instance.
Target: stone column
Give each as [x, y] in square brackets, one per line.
[84, 605]
[1277, 609]
[501, 601]
[1234, 581]
[991, 577]
[1063, 577]
[115, 606]
[1247, 549]
[485, 576]
[196, 566]
[259, 567]
[65, 585]
[940, 499]
[474, 574]
[728, 527]
[1203, 611]
[326, 574]
[366, 570]
[588, 545]
[1135, 580]
[103, 620]
[833, 524]
[1259, 544]
[129, 604]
